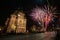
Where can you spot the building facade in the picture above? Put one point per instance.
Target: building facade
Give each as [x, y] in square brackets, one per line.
[21, 23]
[17, 23]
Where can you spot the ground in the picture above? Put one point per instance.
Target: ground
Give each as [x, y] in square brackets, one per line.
[37, 36]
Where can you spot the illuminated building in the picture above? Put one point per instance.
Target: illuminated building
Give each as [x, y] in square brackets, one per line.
[35, 28]
[21, 23]
[11, 24]
[16, 22]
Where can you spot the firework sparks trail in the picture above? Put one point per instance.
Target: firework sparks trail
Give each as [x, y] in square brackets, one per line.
[37, 14]
[44, 15]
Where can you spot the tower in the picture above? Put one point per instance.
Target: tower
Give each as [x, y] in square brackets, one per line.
[21, 23]
[11, 24]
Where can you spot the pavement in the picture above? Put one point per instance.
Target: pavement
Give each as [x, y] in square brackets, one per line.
[37, 36]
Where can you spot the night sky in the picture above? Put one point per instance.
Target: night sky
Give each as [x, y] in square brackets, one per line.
[8, 6]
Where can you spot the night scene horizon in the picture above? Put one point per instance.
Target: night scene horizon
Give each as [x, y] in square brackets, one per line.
[29, 20]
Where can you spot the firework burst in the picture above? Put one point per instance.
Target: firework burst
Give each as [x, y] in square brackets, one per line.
[43, 15]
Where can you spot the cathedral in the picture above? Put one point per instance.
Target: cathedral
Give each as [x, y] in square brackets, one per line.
[16, 23]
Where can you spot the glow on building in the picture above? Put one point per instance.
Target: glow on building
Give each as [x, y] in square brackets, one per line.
[21, 23]
[16, 22]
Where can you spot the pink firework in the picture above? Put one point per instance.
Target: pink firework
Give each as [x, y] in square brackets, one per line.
[37, 14]
[44, 15]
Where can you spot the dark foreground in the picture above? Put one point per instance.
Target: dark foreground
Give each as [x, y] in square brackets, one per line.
[37, 36]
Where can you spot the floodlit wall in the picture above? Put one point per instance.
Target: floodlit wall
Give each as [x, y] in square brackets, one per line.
[17, 23]
[21, 23]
